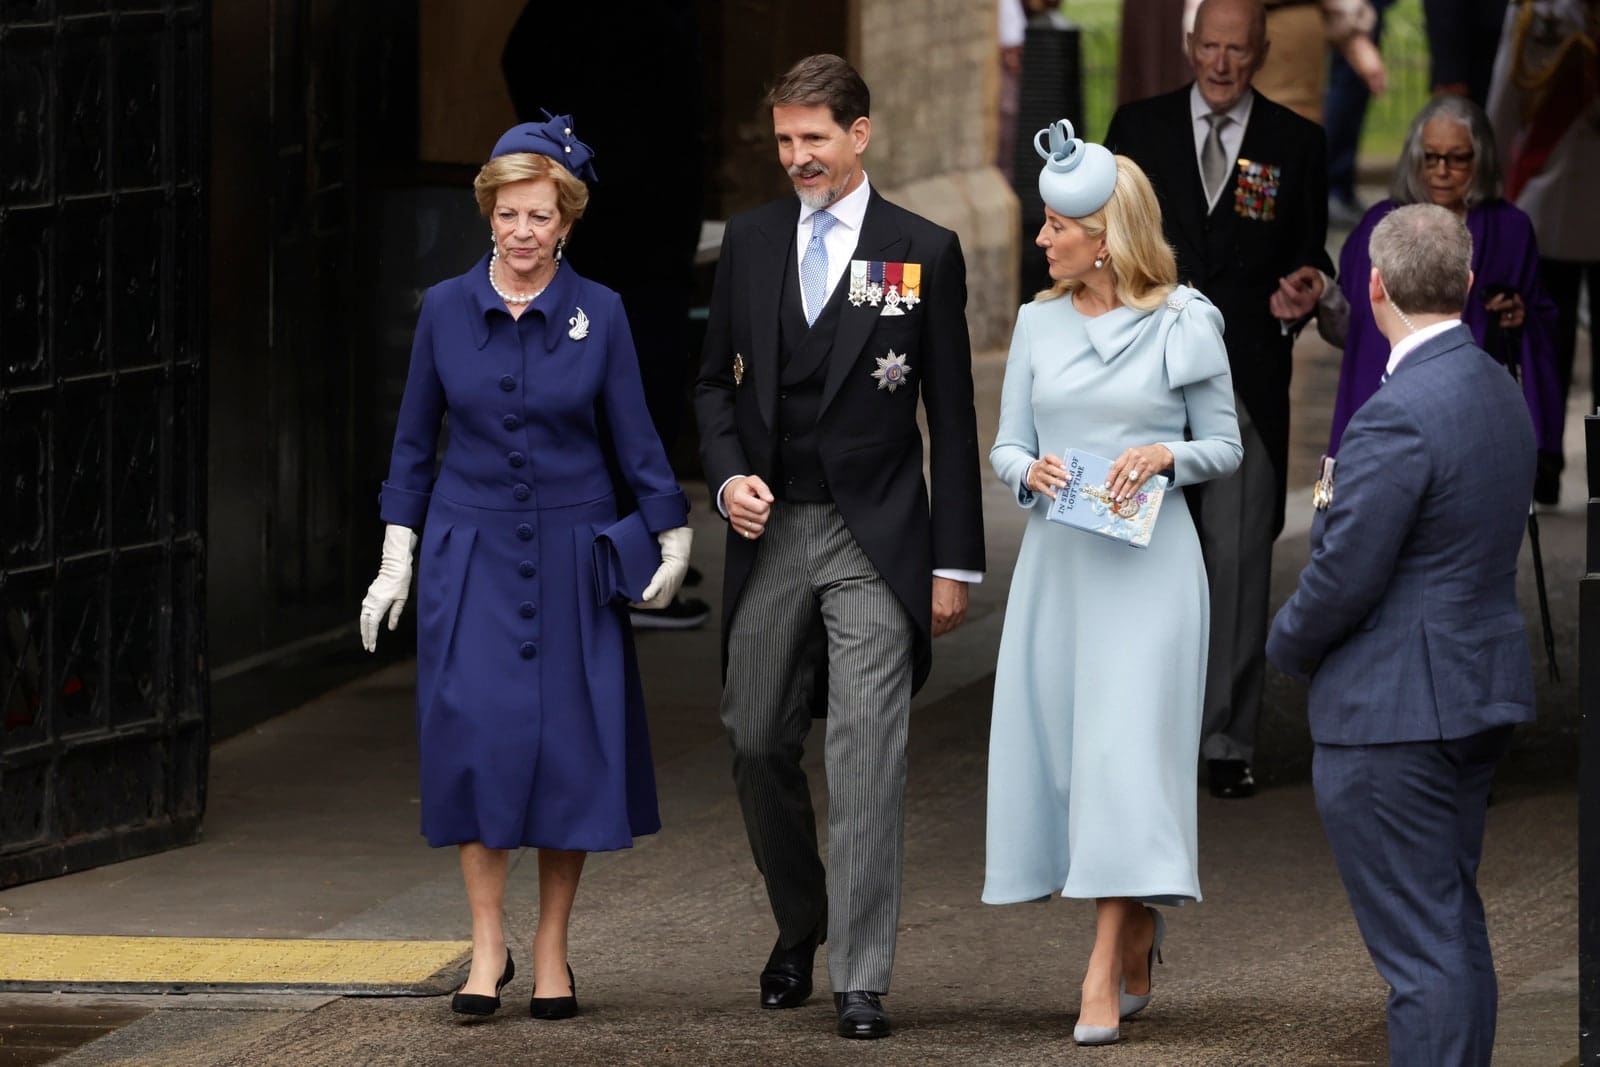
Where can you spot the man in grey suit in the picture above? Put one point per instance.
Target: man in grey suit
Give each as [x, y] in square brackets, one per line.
[1406, 623]
[833, 314]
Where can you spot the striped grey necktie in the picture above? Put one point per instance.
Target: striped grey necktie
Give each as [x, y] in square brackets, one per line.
[1213, 159]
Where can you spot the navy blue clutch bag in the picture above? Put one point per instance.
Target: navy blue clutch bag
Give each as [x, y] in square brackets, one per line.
[626, 557]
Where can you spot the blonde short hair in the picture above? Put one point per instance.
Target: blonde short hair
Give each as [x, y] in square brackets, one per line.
[1142, 262]
[572, 195]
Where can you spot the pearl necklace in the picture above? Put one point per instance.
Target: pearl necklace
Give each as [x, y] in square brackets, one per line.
[494, 257]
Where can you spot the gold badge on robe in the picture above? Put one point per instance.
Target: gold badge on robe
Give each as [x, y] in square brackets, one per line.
[738, 369]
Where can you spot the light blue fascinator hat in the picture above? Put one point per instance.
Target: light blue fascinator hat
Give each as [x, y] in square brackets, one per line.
[1078, 176]
[553, 138]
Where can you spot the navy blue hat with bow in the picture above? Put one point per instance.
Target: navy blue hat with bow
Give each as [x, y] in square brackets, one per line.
[553, 138]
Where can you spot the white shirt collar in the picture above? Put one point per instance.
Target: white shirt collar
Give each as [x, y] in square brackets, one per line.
[849, 209]
[1239, 112]
[1407, 344]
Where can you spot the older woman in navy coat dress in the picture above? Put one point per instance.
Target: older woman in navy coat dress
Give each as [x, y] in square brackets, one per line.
[530, 717]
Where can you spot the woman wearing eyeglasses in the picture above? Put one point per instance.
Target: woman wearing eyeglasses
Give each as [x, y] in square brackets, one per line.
[1449, 159]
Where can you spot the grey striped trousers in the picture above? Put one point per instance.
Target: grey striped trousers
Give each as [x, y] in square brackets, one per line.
[809, 565]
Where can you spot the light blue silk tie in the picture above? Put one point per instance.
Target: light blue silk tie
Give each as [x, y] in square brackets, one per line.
[814, 266]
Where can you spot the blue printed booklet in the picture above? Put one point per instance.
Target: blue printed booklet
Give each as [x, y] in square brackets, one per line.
[1086, 504]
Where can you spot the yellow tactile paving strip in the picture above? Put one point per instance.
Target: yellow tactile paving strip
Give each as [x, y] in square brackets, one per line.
[203, 963]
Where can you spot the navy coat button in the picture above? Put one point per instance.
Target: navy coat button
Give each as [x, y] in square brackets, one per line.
[524, 532]
[521, 492]
[508, 383]
[527, 610]
[516, 459]
[528, 650]
[527, 569]
[510, 422]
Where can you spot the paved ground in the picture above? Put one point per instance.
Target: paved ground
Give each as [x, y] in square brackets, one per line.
[311, 830]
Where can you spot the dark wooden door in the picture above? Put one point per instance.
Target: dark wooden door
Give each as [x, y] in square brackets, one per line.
[103, 157]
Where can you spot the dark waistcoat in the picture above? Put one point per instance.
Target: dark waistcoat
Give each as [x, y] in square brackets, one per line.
[802, 369]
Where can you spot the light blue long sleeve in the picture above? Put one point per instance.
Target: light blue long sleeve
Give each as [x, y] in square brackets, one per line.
[1016, 443]
[1197, 362]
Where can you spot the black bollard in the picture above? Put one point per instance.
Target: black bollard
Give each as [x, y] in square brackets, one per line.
[1589, 776]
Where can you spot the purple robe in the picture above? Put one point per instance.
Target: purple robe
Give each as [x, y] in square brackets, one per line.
[1504, 252]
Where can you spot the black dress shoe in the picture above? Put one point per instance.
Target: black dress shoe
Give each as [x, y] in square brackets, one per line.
[477, 1003]
[556, 1007]
[861, 1015]
[786, 979]
[1230, 779]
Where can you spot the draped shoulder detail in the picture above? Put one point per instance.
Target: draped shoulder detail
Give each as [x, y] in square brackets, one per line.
[1191, 335]
[1118, 330]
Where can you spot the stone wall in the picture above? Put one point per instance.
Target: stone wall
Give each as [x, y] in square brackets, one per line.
[934, 72]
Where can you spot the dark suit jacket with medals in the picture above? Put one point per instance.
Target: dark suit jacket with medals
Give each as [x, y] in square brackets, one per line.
[863, 439]
[1265, 225]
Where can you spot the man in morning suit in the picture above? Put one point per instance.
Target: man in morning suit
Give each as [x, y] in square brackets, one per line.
[1406, 623]
[831, 315]
[1244, 203]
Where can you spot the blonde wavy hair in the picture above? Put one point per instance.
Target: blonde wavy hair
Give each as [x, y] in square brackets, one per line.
[572, 195]
[1141, 261]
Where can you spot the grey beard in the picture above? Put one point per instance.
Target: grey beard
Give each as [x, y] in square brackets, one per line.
[817, 199]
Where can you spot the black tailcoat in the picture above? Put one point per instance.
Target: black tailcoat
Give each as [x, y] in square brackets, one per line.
[869, 442]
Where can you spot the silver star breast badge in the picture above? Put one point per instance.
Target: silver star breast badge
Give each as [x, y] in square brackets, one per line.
[892, 371]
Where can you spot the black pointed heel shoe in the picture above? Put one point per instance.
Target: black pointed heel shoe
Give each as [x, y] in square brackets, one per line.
[556, 1007]
[477, 1003]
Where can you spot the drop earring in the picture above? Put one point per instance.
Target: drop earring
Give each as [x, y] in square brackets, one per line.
[561, 247]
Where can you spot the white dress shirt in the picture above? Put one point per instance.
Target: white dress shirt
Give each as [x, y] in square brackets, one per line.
[1409, 342]
[1232, 134]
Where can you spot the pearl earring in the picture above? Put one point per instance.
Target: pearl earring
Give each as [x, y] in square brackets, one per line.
[1098, 263]
[561, 246]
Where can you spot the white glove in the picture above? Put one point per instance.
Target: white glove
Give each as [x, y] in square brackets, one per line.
[674, 568]
[388, 591]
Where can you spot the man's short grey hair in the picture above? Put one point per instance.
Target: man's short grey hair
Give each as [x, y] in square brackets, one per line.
[1410, 186]
[1423, 254]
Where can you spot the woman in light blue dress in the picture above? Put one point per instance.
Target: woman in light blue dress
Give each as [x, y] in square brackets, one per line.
[1095, 735]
